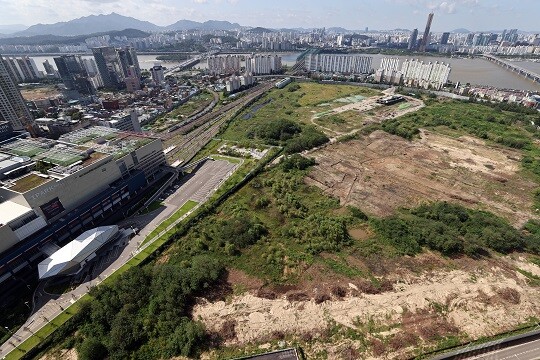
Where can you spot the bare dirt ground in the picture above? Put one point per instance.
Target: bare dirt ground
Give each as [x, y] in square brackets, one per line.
[39, 93]
[383, 172]
[468, 298]
[368, 112]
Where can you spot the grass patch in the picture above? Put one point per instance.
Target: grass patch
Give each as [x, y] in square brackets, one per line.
[227, 158]
[532, 279]
[281, 105]
[342, 122]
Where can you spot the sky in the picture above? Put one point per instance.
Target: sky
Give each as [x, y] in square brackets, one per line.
[475, 15]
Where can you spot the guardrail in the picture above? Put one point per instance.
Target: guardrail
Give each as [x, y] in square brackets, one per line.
[472, 350]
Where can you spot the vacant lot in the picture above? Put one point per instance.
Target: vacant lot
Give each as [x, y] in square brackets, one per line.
[41, 92]
[299, 106]
[383, 172]
[414, 313]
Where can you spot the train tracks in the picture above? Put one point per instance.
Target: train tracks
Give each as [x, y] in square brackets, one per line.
[191, 138]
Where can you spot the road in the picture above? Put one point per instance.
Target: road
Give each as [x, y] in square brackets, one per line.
[198, 186]
[527, 351]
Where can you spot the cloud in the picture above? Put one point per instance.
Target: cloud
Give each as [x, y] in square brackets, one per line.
[200, 1]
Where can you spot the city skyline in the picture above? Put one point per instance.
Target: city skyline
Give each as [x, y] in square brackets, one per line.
[475, 15]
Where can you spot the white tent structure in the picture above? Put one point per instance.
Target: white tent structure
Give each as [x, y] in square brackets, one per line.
[68, 259]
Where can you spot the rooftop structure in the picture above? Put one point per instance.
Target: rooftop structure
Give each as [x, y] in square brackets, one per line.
[70, 258]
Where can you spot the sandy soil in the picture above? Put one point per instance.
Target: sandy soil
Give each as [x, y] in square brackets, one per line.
[383, 172]
[40, 93]
[61, 355]
[473, 301]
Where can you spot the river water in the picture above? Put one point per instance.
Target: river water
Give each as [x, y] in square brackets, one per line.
[475, 71]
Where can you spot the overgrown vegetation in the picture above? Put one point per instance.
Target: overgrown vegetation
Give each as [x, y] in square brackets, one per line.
[453, 229]
[145, 313]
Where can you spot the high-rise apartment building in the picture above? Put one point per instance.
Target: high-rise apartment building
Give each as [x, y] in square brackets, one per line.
[426, 36]
[412, 40]
[158, 74]
[223, 64]
[12, 106]
[128, 58]
[427, 75]
[444, 38]
[113, 65]
[74, 74]
[339, 63]
[49, 69]
[109, 66]
[22, 69]
[263, 64]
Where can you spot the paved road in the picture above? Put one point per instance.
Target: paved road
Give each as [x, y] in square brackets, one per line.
[527, 351]
[198, 186]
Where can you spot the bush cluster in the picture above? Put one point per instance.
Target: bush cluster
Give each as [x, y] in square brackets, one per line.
[451, 229]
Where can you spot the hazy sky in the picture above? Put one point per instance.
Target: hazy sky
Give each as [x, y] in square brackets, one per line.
[351, 14]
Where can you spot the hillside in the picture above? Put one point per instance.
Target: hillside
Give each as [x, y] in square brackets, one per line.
[81, 26]
[56, 39]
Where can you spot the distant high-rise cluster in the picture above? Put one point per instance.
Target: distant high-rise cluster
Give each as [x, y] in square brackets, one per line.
[12, 106]
[263, 64]
[113, 65]
[223, 64]
[74, 74]
[339, 63]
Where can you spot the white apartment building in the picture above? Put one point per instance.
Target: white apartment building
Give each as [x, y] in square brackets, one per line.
[223, 64]
[426, 75]
[263, 64]
[339, 63]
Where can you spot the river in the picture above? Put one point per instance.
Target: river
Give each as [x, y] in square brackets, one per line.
[475, 71]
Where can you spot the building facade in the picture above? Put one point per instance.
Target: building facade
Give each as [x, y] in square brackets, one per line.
[12, 106]
[263, 64]
[339, 63]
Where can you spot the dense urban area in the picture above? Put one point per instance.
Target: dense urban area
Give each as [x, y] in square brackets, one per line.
[218, 191]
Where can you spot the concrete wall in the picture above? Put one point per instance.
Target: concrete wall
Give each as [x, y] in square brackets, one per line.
[7, 238]
[76, 188]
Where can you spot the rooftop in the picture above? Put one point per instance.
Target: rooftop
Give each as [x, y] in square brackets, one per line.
[69, 257]
[10, 211]
[28, 182]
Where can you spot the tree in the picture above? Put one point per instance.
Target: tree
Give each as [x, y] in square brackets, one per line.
[91, 349]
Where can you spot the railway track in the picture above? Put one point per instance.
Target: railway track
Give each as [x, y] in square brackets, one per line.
[191, 138]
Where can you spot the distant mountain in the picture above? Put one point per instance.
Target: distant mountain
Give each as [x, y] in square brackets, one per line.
[56, 39]
[461, 31]
[86, 24]
[338, 30]
[10, 29]
[207, 25]
[259, 30]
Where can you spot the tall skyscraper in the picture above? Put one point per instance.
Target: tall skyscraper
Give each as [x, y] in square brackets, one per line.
[413, 39]
[128, 58]
[109, 66]
[444, 38]
[74, 75]
[12, 106]
[49, 69]
[425, 37]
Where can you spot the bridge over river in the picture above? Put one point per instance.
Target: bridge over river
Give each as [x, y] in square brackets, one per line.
[513, 67]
